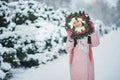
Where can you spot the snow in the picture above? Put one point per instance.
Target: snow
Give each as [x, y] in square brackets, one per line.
[112, 2]
[2, 74]
[56, 70]
[28, 33]
[106, 58]
[40, 10]
[5, 66]
[50, 23]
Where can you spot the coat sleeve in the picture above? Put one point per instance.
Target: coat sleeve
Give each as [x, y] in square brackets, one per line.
[95, 39]
[69, 45]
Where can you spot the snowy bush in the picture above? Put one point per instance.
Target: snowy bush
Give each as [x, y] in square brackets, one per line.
[50, 42]
[2, 75]
[4, 14]
[19, 18]
[16, 47]
[25, 10]
[101, 28]
[4, 66]
[30, 11]
[21, 48]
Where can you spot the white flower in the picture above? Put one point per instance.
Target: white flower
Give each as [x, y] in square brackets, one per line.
[71, 22]
[80, 29]
[80, 19]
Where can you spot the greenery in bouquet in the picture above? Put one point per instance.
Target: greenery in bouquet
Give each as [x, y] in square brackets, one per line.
[79, 24]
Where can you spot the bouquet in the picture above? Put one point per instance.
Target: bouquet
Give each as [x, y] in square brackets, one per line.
[79, 24]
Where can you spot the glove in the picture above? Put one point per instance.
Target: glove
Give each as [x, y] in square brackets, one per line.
[69, 33]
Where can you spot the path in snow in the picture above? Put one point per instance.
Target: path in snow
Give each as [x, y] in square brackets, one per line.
[106, 58]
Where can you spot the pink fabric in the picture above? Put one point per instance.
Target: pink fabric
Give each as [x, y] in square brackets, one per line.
[81, 63]
[95, 39]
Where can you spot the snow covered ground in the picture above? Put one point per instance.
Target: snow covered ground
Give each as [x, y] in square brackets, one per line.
[106, 57]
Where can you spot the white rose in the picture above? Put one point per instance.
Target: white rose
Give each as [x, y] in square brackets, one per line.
[80, 19]
[71, 22]
[80, 29]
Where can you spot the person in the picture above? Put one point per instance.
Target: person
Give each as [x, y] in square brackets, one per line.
[81, 60]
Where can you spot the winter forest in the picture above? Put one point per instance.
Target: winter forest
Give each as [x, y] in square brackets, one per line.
[33, 37]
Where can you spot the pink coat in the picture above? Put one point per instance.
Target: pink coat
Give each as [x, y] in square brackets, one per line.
[82, 63]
